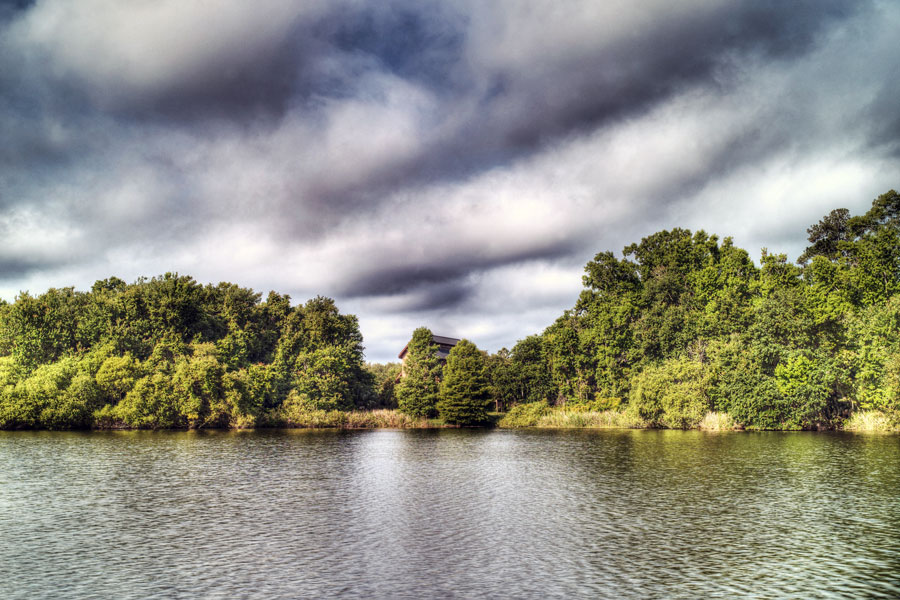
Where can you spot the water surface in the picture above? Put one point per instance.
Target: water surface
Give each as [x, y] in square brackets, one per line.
[468, 514]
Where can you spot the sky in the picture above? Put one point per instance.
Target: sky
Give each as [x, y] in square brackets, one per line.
[452, 164]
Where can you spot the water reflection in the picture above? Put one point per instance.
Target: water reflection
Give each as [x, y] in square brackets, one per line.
[449, 513]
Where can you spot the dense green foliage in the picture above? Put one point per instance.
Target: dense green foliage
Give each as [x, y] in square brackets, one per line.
[685, 323]
[465, 389]
[386, 376]
[418, 390]
[521, 375]
[168, 352]
[528, 414]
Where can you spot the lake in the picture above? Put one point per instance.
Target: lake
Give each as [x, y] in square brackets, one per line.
[449, 513]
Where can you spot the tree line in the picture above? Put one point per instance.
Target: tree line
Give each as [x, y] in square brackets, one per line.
[684, 324]
[168, 352]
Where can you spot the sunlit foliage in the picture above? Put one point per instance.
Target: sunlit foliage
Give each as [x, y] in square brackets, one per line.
[168, 352]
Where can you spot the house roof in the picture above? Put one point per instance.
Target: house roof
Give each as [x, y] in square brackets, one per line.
[440, 340]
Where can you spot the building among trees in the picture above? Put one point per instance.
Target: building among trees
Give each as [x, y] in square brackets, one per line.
[443, 346]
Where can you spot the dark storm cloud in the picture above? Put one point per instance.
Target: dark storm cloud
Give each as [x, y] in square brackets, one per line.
[69, 62]
[430, 296]
[884, 115]
[505, 111]
[606, 82]
[14, 267]
[450, 264]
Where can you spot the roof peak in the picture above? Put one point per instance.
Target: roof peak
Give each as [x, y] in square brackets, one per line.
[442, 340]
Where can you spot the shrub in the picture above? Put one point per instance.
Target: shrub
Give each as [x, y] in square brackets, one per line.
[151, 404]
[524, 415]
[54, 396]
[598, 404]
[805, 385]
[116, 376]
[794, 397]
[324, 377]
[315, 418]
[243, 405]
[674, 394]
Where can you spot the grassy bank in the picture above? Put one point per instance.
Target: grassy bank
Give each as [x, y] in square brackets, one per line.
[375, 419]
[872, 421]
[531, 415]
[309, 419]
[542, 415]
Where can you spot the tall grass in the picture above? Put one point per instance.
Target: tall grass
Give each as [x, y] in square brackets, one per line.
[375, 419]
[872, 420]
[717, 421]
[384, 419]
[541, 414]
[607, 419]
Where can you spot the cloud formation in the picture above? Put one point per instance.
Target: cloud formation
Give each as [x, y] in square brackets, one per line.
[450, 164]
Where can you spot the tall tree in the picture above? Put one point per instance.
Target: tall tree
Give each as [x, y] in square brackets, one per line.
[418, 390]
[465, 390]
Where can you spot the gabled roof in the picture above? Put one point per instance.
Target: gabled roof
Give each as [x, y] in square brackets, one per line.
[440, 340]
[447, 341]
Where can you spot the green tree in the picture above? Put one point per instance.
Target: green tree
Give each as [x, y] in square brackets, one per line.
[324, 379]
[385, 377]
[465, 390]
[873, 356]
[829, 237]
[418, 390]
[529, 371]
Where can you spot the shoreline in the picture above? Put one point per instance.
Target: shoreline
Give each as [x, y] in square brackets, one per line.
[553, 419]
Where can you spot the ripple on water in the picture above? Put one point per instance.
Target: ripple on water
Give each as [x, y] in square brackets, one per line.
[409, 514]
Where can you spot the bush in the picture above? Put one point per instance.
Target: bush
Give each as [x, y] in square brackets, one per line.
[323, 379]
[524, 415]
[875, 356]
[151, 404]
[598, 404]
[56, 395]
[244, 406]
[314, 418]
[674, 394]
[805, 385]
[116, 377]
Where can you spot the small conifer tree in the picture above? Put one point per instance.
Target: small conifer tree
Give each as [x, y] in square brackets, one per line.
[418, 390]
[465, 391]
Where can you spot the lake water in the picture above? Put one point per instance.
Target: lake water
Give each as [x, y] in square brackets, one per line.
[455, 513]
